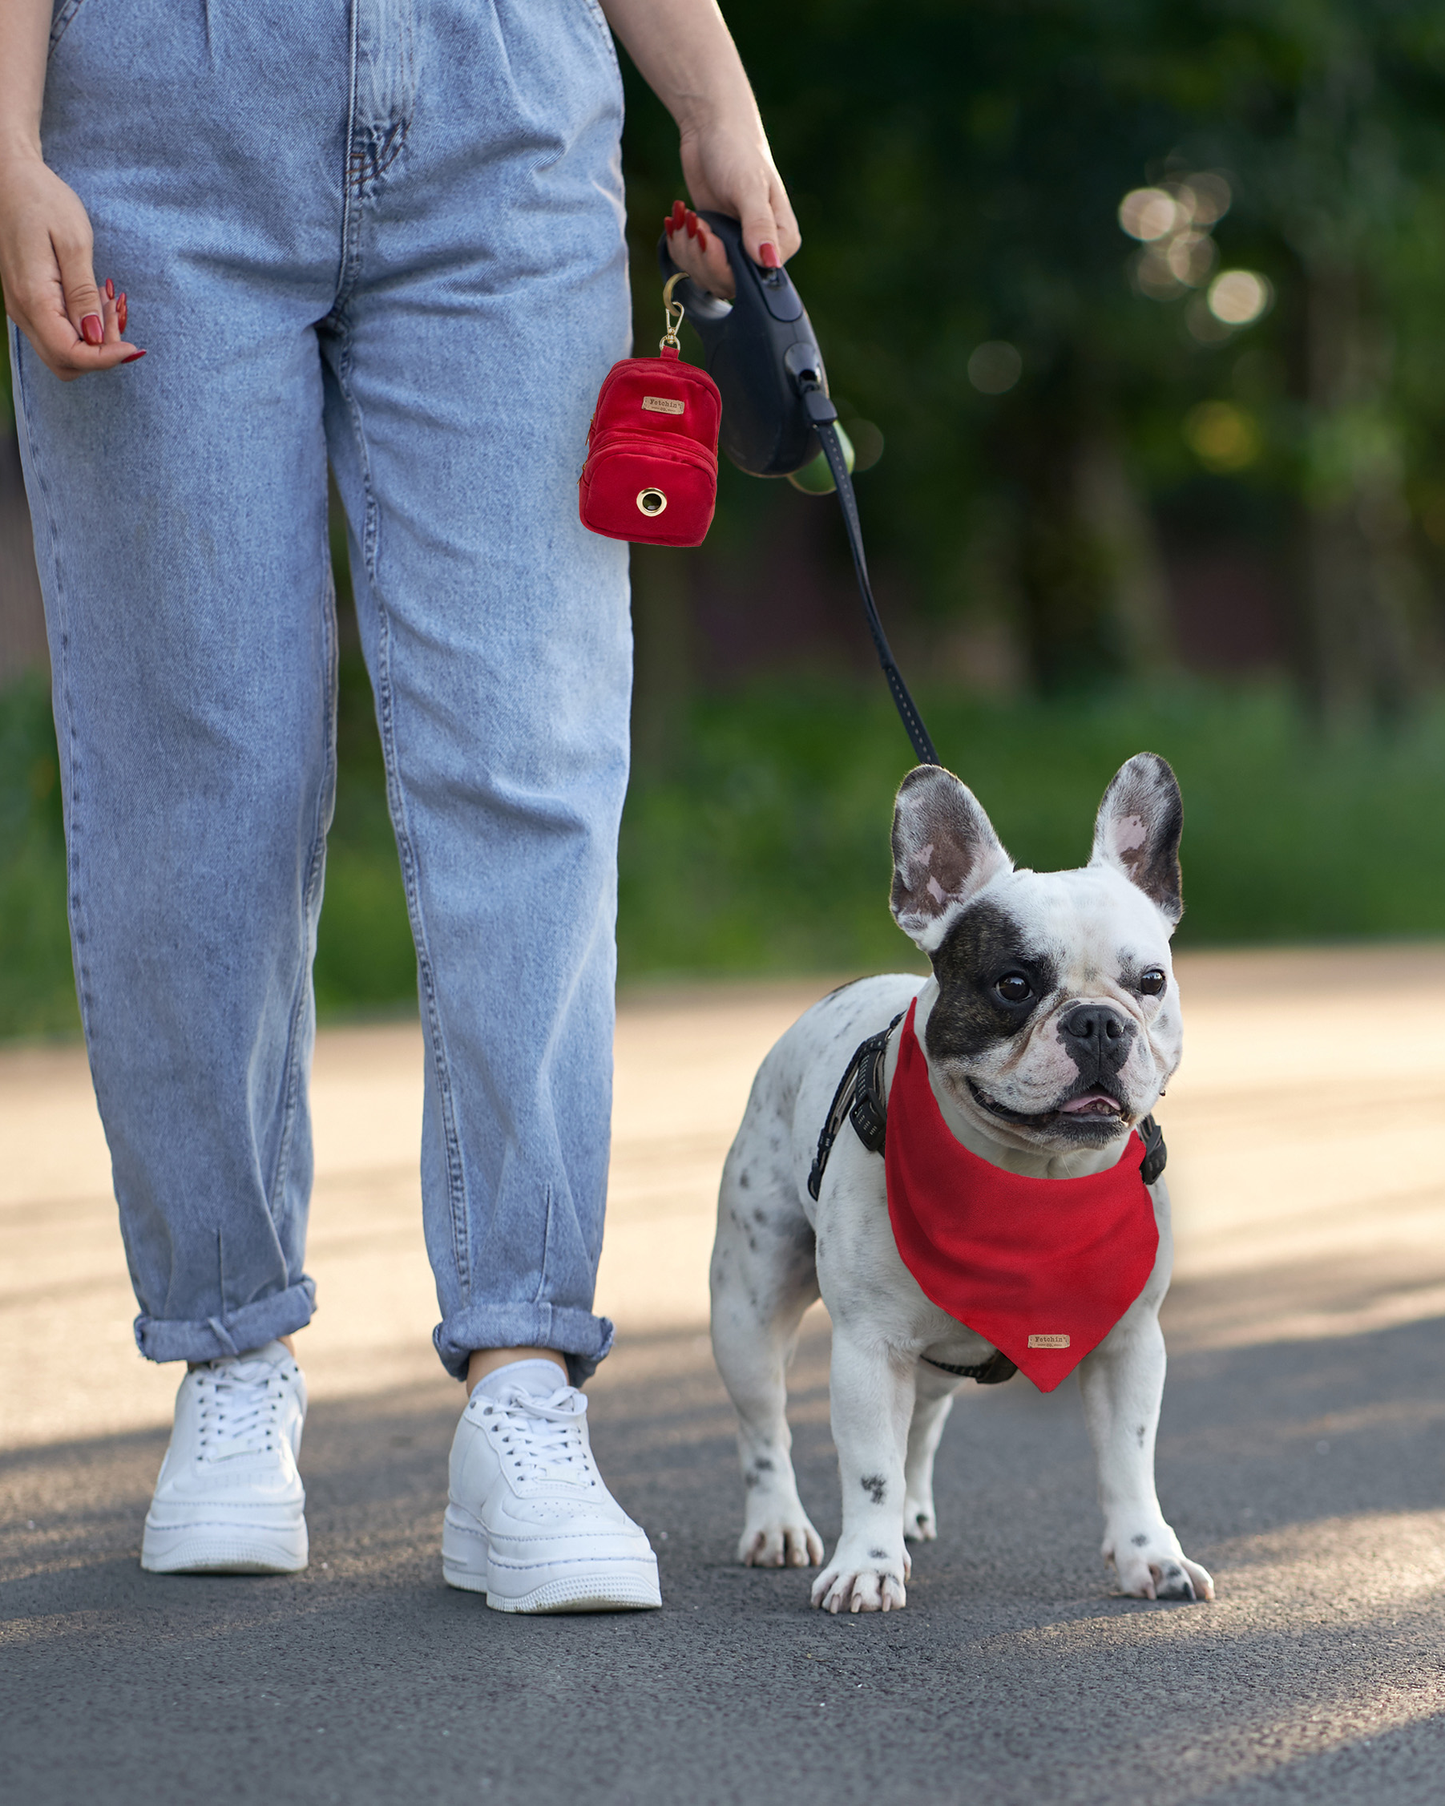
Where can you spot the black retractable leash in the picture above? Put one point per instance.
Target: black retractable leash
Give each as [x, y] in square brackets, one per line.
[761, 352]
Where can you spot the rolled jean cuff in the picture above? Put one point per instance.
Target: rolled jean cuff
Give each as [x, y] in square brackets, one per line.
[583, 1338]
[209, 1338]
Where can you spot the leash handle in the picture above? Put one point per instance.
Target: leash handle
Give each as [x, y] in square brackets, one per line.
[827, 431]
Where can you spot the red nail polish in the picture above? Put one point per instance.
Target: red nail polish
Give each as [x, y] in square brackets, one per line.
[134, 357]
[679, 213]
[109, 289]
[768, 257]
[692, 225]
[92, 329]
[669, 225]
[702, 238]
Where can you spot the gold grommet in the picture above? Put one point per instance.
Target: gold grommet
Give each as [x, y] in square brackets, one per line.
[651, 501]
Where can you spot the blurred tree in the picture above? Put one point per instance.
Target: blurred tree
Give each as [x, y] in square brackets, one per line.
[958, 172]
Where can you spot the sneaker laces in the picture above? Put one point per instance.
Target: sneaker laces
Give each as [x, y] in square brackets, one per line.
[239, 1408]
[543, 1438]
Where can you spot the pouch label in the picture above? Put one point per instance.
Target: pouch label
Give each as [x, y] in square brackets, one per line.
[660, 404]
[1048, 1341]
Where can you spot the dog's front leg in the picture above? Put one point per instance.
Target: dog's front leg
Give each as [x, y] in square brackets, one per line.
[1122, 1383]
[871, 1401]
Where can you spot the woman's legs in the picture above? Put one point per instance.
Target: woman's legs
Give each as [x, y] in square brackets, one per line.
[437, 190]
[181, 535]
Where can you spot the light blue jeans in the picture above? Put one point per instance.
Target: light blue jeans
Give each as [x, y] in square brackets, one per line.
[387, 233]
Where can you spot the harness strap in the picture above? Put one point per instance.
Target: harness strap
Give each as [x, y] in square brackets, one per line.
[992, 1372]
[860, 1100]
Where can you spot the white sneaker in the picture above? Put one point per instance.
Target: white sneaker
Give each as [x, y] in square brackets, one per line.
[530, 1523]
[229, 1499]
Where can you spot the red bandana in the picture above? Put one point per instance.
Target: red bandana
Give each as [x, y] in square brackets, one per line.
[1041, 1268]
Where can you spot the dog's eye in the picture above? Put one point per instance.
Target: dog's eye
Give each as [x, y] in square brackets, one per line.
[1014, 988]
[1152, 982]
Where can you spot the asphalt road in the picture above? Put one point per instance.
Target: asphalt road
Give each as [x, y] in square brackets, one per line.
[1307, 1470]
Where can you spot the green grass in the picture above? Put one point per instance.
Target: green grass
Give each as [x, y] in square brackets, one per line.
[767, 848]
[761, 844]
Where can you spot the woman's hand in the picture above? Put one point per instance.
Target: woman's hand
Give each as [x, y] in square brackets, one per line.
[45, 266]
[731, 172]
[687, 57]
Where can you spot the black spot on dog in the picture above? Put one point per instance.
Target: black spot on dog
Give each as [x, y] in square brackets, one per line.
[762, 1465]
[877, 1555]
[984, 945]
[760, 1216]
[1142, 1433]
[875, 1486]
[745, 1180]
[1139, 1541]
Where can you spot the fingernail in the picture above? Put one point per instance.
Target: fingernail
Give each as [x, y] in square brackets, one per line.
[768, 257]
[669, 225]
[702, 240]
[679, 213]
[109, 289]
[692, 225]
[134, 357]
[92, 329]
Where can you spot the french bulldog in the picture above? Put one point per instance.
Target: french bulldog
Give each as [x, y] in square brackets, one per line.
[1050, 1027]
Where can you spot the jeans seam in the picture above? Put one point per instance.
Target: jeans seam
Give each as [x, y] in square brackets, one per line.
[346, 272]
[539, 1295]
[406, 851]
[61, 24]
[315, 869]
[69, 751]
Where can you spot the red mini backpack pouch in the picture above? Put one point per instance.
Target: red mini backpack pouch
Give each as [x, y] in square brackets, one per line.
[651, 470]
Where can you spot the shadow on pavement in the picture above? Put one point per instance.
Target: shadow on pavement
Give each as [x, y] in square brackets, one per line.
[1307, 1475]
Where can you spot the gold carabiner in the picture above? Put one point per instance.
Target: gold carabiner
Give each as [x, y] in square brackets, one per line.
[671, 308]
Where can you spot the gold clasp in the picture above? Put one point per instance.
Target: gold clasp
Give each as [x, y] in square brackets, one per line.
[674, 311]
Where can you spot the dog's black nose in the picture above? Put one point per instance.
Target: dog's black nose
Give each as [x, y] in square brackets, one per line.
[1093, 1032]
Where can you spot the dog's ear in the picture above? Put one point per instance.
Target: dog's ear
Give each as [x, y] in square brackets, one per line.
[1137, 832]
[944, 851]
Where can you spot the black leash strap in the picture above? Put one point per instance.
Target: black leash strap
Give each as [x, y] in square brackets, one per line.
[824, 417]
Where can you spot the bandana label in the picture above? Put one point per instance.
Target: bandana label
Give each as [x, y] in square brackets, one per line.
[1041, 1268]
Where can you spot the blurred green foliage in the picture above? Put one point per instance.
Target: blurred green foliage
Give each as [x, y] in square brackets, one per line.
[958, 171]
[765, 849]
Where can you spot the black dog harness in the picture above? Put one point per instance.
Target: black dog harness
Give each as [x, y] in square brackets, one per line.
[861, 1100]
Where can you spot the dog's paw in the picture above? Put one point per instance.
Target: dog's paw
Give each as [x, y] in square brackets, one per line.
[779, 1543]
[919, 1523]
[873, 1585]
[1153, 1567]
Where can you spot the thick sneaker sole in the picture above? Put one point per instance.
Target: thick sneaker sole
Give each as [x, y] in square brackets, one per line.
[223, 1549]
[627, 1584]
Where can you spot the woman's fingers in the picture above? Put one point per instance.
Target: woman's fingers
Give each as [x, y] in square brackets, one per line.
[698, 252]
[50, 286]
[84, 306]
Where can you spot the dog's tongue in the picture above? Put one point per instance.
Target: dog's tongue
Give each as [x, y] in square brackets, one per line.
[1093, 1103]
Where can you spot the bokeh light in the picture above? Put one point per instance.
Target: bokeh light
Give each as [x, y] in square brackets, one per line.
[1222, 436]
[1150, 213]
[994, 367]
[1238, 297]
